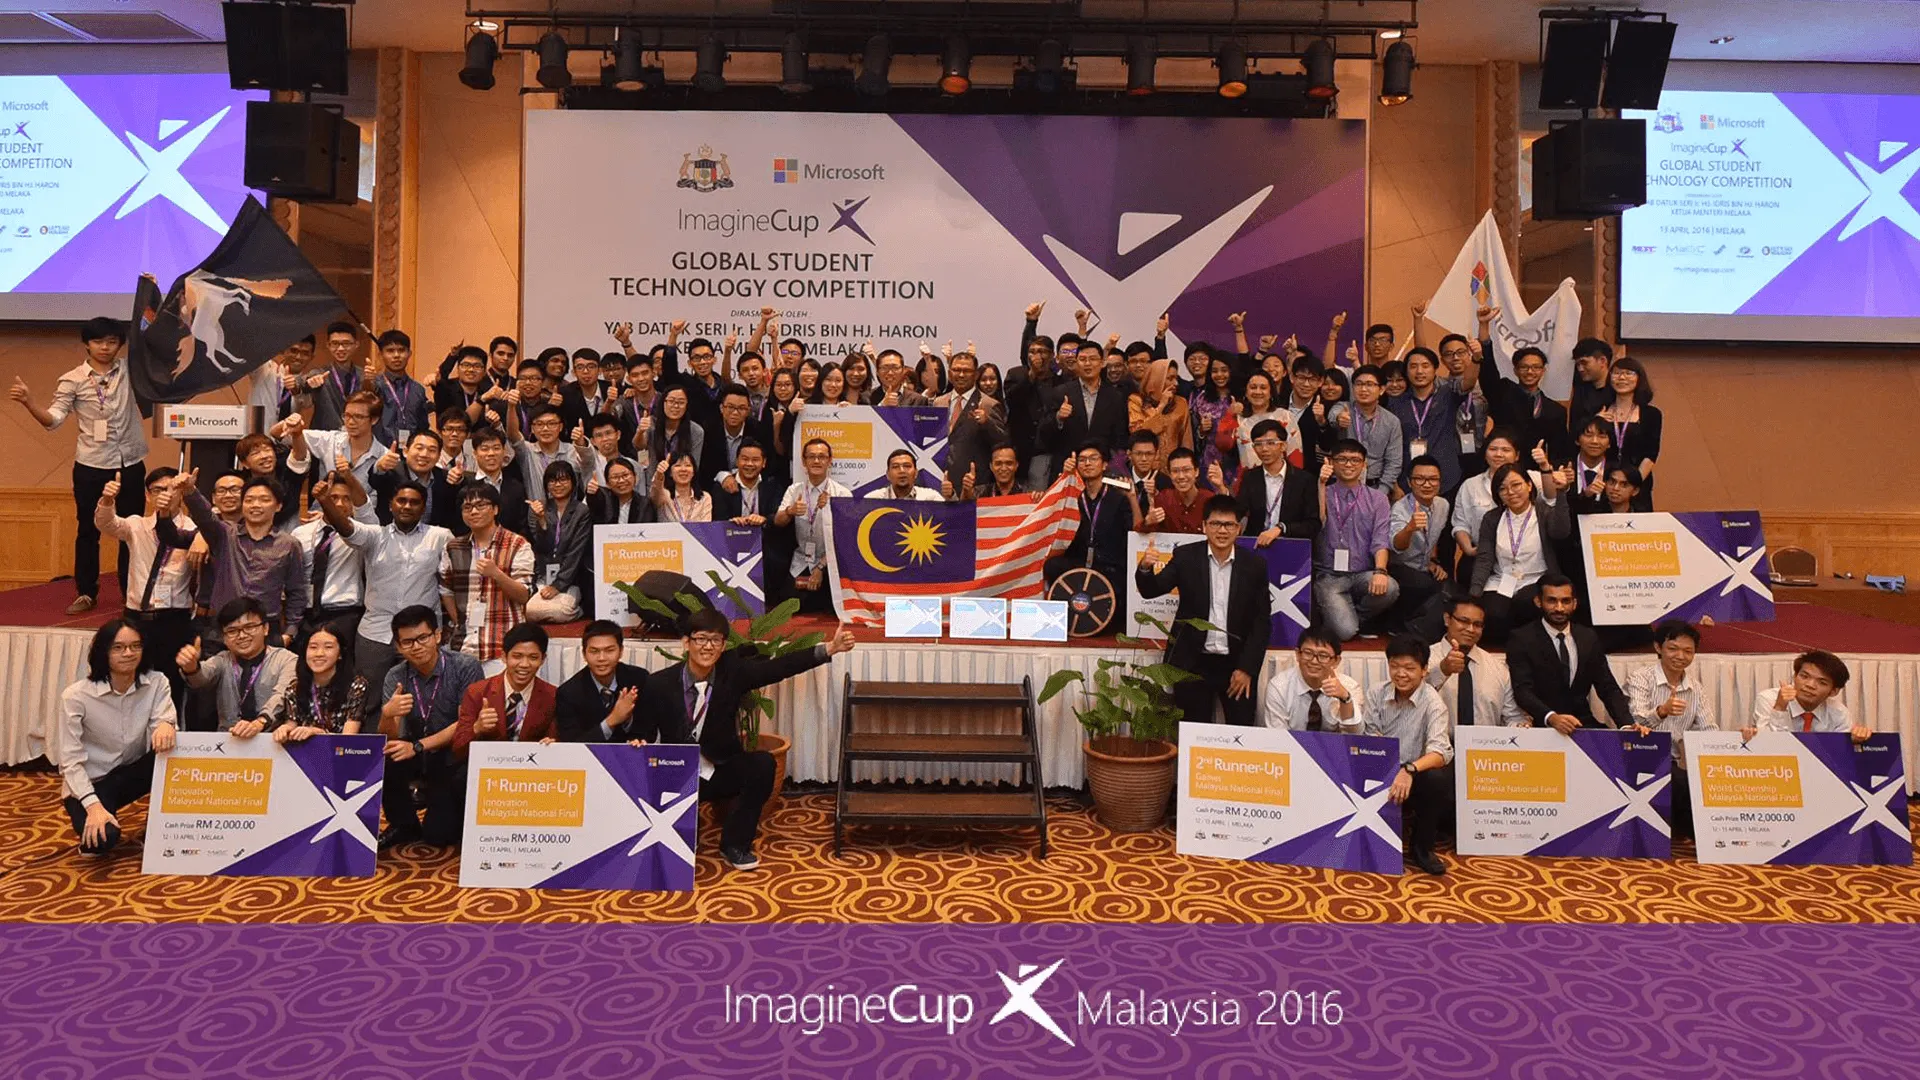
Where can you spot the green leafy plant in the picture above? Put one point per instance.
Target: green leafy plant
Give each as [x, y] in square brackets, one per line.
[766, 634]
[1127, 697]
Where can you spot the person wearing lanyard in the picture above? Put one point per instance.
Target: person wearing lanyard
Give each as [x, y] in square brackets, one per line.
[1377, 431]
[699, 699]
[1279, 498]
[562, 533]
[1108, 513]
[1419, 523]
[333, 383]
[251, 678]
[1516, 550]
[327, 698]
[160, 596]
[405, 401]
[421, 707]
[1350, 577]
[809, 512]
[335, 569]
[1426, 413]
[1412, 713]
[468, 389]
[110, 446]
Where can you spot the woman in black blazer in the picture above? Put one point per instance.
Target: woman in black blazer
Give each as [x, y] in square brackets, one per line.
[616, 500]
[1516, 544]
[1635, 423]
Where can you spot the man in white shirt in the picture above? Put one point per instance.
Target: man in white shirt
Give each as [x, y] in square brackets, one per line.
[1473, 683]
[110, 445]
[1667, 696]
[400, 565]
[1406, 709]
[334, 569]
[903, 470]
[353, 447]
[159, 582]
[1313, 695]
[1809, 701]
[808, 510]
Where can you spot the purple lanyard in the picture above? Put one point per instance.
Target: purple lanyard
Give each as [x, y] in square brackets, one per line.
[1360, 423]
[398, 397]
[1620, 433]
[1517, 531]
[100, 387]
[558, 511]
[338, 384]
[425, 711]
[314, 700]
[1341, 509]
[1420, 415]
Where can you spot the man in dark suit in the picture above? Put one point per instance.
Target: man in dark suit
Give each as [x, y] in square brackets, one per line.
[419, 463]
[1227, 588]
[976, 423]
[1277, 499]
[698, 701]
[586, 396]
[597, 703]
[516, 705]
[1540, 655]
[748, 498]
[1065, 420]
[1520, 405]
[723, 442]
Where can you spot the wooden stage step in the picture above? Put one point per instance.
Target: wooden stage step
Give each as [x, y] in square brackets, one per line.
[933, 807]
[938, 746]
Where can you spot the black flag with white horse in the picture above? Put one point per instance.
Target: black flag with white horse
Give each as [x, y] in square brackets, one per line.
[252, 297]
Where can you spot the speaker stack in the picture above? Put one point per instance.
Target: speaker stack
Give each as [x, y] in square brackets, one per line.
[1592, 167]
[295, 150]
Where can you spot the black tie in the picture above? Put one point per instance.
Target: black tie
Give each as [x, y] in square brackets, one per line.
[1566, 661]
[250, 682]
[1316, 720]
[606, 700]
[513, 716]
[322, 554]
[1464, 714]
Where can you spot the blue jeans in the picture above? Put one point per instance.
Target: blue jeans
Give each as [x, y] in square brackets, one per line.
[1340, 601]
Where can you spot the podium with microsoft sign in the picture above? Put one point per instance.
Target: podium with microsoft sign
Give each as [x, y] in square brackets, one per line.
[207, 434]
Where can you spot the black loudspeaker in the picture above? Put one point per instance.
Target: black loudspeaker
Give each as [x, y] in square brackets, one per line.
[1576, 58]
[310, 153]
[664, 586]
[1637, 66]
[1585, 169]
[274, 46]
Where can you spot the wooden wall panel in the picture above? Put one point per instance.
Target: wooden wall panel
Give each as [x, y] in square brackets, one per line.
[36, 536]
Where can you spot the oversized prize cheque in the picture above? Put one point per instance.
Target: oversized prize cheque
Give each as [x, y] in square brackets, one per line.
[256, 807]
[1794, 798]
[580, 816]
[1533, 791]
[1305, 798]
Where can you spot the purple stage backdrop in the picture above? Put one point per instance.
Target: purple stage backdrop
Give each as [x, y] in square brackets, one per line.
[126, 173]
[1061, 1001]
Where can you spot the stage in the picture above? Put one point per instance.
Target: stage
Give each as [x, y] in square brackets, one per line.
[42, 649]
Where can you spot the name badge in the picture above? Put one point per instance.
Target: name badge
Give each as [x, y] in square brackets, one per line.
[806, 552]
[1466, 442]
[551, 575]
[1342, 561]
[100, 429]
[1417, 448]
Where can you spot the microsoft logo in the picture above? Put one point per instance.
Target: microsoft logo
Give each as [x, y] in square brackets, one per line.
[786, 170]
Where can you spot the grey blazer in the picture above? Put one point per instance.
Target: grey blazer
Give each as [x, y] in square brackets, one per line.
[273, 683]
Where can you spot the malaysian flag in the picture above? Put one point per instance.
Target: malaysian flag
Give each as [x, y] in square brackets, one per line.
[992, 547]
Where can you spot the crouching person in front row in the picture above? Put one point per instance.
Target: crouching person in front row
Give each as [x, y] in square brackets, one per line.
[111, 723]
[698, 701]
[422, 696]
[1409, 710]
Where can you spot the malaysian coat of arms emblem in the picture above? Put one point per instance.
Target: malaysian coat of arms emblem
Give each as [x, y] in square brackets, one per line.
[704, 173]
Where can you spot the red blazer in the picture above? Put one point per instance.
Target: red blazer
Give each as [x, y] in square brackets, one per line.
[536, 725]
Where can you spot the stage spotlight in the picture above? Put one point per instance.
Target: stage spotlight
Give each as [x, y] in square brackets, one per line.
[1048, 59]
[793, 65]
[552, 72]
[1142, 53]
[1232, 63]
[629, 68]
[482, 50]
[955, 63]
[709, 68]
[1319, 64]
[873, 66]
[1396, 74]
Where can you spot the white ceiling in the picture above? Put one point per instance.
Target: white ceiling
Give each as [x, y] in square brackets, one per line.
[1451, 31]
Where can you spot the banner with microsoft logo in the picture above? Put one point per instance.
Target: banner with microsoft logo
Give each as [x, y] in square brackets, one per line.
[1642, 568]
[1534, 791]
[580, 816]
[259, 808]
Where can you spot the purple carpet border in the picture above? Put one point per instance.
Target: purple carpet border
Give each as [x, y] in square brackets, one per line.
[465, 1002]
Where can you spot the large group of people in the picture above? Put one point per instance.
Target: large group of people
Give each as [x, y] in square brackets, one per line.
[383, 555]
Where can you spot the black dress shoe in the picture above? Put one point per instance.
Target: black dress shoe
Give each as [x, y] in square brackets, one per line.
[391, 837]
[1427, 861]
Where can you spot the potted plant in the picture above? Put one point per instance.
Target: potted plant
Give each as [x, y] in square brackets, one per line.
[767, 635]
[1129, 716]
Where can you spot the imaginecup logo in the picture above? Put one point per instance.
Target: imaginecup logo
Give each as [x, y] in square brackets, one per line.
[1884, 186]
[846, 211]
[1020, 998]
[163, 178]
[20, 128]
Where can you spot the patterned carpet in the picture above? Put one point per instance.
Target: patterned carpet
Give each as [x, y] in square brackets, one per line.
[889, 876]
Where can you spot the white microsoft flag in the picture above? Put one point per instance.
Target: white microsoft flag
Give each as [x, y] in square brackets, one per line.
[1481, 276]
